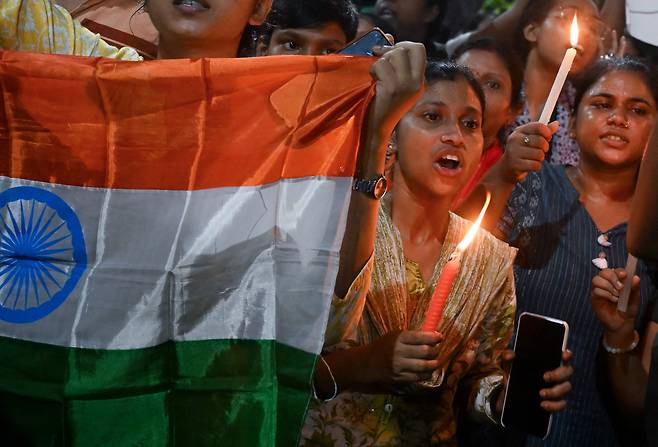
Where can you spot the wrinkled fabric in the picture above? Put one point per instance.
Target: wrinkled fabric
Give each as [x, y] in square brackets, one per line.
[477, 325]
[169, 242]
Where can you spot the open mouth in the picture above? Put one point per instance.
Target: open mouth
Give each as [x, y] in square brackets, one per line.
[191, 6]
[449, 162]
[614, 139]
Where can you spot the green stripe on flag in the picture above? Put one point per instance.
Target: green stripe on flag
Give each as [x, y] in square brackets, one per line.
[196, 393]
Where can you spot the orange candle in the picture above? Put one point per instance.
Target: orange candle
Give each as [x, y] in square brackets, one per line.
[448, 274]
[441, 292]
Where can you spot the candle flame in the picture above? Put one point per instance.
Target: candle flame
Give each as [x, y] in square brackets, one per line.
[574, 31]
[475, 227]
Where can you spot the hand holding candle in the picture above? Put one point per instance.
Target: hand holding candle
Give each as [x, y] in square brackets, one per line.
[448, 274]
[562, 74]
[631, 267]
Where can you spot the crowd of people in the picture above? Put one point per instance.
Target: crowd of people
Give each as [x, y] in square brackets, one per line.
[439, 132]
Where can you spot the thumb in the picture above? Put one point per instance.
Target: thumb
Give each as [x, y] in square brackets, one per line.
[554, 126]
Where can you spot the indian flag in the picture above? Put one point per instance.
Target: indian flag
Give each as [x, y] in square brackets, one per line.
[169, 238]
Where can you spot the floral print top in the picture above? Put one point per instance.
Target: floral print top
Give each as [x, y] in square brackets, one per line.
[477, 326]
[564, 149]
[39, 26]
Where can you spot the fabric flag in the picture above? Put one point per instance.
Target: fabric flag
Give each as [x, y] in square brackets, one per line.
[169, 238]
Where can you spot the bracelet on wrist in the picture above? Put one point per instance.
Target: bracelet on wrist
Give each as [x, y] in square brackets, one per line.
[612, 350]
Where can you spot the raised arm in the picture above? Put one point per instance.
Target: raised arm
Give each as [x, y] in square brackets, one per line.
[400, 75]
[643, 224]
[501, 28]
[524, 152]
[613, 13]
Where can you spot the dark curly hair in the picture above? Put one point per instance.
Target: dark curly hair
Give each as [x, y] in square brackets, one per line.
[310, 14]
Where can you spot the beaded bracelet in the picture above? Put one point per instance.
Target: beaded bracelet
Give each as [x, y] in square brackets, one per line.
[610, 350]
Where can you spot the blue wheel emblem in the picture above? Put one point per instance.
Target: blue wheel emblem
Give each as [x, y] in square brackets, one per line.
[42, 253]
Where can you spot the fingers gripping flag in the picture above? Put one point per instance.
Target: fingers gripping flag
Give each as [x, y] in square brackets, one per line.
[169, 238]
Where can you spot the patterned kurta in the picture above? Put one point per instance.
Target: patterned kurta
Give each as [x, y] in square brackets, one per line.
[41, 27]
[477, 325]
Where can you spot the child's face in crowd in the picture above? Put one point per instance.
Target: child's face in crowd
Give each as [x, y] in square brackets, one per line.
[205, 23]
[326, 39]
[552, 37]
[440, 140]
[493, 75]
[407, 17]
[615, 118]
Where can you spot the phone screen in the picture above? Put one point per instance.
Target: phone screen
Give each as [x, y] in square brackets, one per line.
[538, 348]
[364, 45]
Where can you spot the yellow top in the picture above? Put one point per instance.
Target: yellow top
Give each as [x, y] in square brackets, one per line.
[41, 27]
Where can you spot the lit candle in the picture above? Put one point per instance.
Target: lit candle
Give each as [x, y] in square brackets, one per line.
[562, 74]
[448, 274]
[631, 267]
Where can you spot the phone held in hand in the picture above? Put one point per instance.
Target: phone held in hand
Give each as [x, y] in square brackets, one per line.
[538, 349]
[363, 45]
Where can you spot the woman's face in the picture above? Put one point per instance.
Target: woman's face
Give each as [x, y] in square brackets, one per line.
[615, 119]
[205, 24]
[552, 37]
[440, 140]
[492, 73]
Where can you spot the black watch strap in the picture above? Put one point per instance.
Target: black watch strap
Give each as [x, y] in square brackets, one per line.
[374, 187]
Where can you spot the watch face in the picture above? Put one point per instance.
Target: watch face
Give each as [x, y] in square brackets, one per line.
[380, 188]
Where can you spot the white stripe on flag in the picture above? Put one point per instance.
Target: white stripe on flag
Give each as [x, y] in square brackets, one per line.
[251, 263]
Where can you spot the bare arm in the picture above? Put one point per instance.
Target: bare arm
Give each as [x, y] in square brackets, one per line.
[627, 372]
[643, 223]
[498, 29]
[613, 13]
[399, 74]
[524, 153]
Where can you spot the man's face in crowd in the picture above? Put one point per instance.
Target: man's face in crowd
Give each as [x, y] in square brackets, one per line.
[409, 18]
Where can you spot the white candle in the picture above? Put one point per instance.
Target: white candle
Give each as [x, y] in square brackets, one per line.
[631, 267]
[560, 79]
[562, 74]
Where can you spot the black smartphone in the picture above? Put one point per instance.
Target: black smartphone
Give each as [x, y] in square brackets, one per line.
[363, 45]
[538, 348]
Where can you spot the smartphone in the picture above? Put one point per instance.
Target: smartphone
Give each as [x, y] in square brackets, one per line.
[363, 45]
[538, 348]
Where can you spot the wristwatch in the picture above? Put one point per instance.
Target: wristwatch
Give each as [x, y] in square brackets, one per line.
[374, 188]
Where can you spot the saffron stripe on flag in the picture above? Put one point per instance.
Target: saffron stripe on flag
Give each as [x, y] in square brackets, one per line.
[131, 125]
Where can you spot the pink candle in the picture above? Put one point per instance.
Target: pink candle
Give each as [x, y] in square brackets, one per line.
[448, 274]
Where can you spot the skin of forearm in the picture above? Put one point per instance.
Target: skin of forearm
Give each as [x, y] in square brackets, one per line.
[642, 241]
[350, 370]
[359, 239]
[613, 13]
[499, 28]
[628, 382]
